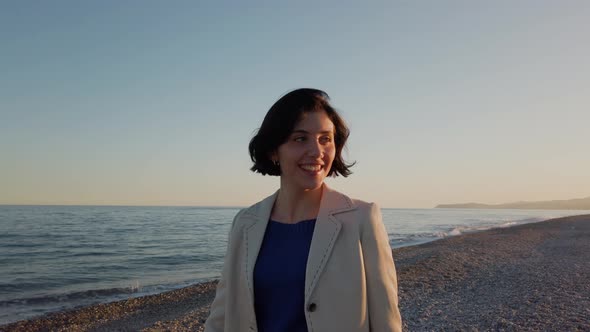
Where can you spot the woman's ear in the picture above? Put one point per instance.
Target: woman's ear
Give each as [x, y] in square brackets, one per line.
[274, 157]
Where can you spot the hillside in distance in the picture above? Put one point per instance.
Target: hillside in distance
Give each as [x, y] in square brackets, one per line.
[569, 204]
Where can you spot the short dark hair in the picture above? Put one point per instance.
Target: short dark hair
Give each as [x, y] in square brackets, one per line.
[280, 121]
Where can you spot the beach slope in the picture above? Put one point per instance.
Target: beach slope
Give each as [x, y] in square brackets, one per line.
[528, 277]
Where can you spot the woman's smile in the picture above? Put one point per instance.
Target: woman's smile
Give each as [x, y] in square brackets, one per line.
[313, 169]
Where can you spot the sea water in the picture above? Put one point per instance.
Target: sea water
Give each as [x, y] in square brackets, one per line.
[55, 258]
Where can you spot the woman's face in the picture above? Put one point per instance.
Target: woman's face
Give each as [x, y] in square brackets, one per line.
[307, 155]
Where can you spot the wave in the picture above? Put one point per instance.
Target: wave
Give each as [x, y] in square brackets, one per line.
[400, 240]
[73, 296]
[84, 297]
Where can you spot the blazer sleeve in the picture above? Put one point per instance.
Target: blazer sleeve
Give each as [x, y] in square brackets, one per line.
[216, 320]
[380, 273]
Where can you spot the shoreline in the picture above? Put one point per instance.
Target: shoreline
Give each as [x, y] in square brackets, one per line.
[525, 277]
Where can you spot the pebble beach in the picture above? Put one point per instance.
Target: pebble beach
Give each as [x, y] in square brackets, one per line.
[532, 277]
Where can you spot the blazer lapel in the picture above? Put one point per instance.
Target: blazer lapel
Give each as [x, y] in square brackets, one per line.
[324, 236]
[258, 216]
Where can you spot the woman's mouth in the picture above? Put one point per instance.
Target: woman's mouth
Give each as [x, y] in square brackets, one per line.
[312, 168]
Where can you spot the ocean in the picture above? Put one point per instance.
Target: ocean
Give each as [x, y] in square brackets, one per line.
[54, 258]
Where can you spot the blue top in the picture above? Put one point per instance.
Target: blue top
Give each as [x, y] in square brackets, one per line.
[279, 277]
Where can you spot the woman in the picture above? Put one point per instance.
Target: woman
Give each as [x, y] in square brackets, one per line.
[306, 258]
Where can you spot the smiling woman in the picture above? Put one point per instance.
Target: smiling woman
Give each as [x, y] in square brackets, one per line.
[306, 258]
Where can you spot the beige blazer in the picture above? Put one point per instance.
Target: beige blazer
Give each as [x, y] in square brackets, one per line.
[350, 279]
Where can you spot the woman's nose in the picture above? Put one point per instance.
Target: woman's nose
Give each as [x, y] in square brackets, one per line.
[316, 149]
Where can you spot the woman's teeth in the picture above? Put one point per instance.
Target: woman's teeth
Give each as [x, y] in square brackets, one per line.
[311, 168]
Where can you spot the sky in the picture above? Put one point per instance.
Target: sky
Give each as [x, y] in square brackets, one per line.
[155, 102]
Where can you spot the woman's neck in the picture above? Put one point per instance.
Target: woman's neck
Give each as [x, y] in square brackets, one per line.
[292, 206]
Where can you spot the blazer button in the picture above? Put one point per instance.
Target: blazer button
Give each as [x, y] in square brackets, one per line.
[312, 307]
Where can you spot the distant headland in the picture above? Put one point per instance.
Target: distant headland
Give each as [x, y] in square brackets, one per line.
[569, 204]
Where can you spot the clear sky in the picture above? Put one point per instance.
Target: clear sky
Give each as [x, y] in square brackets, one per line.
[154, 102]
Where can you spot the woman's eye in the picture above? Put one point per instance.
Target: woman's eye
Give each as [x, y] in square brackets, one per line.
[325, 139]
[299, 139]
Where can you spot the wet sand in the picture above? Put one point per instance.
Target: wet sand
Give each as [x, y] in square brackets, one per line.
[533, 277]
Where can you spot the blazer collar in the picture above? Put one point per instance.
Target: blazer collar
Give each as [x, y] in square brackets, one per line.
[326, 231]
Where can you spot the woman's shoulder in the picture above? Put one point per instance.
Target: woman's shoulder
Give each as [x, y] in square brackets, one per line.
[366, 217]
[365, 205]
[352, 212]
[346, 202]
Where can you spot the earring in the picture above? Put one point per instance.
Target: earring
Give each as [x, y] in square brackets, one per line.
[276, 162]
